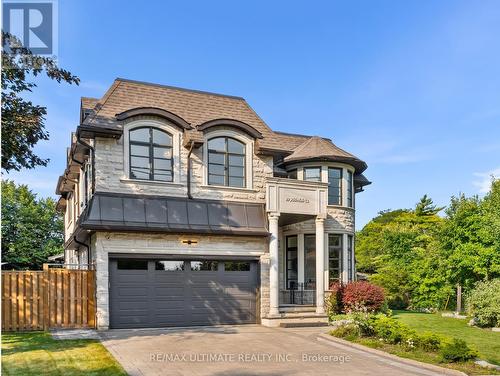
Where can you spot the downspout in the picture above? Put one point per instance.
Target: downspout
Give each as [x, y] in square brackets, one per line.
[92, 154]
[189, 171]
[86, 246]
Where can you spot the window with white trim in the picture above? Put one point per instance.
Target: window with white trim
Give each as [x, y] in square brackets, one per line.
[312, 173]
[349, 190]
[350, 257]
[334, 257]
[334, 186]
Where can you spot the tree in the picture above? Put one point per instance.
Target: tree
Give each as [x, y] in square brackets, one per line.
[32, 229]
[22, 121]
[419, 258]
[398, 248]
[369, 241]
[471, 238]
[426, 207]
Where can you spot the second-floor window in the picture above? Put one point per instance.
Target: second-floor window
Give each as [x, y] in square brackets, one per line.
[350, 195]
[151, 154]
[226, 162]
[312, 173]
[334, 186]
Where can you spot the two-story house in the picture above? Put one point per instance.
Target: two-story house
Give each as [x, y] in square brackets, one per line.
[194, 212]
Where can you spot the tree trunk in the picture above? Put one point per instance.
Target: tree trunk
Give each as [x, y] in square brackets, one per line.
[459, 298]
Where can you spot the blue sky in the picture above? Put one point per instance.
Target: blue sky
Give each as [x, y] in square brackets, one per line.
[411, 87]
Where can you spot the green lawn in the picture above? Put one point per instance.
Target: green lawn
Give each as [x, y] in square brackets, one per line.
[469, 368]
[37, 353]
[485, 341]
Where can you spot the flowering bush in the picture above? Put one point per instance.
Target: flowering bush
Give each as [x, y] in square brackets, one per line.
[348, 331]
[362, 296]
[483, 303]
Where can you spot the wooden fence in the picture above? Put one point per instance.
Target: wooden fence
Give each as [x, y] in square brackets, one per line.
[52, 298]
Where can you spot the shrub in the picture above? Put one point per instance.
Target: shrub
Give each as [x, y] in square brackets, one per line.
[429, 341]
[483, 303]
[362, 296]
[393, 331]
[456, 351]
[349, 331]
[334, 300]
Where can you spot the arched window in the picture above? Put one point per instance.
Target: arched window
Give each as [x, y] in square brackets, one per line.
[150, 154]
[226, 162]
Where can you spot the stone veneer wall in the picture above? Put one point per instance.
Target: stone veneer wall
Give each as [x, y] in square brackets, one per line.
[106, 243]
[338, 220]
[264, 285]
[111, 177]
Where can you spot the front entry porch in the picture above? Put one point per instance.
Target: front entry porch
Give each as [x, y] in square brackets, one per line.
[297, 201]
[306, 253]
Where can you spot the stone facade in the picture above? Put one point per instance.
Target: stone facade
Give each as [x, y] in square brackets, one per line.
[111, 175]
[339, 219]
[264, 285]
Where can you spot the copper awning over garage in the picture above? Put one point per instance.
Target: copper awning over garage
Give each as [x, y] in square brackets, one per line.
[119, 212]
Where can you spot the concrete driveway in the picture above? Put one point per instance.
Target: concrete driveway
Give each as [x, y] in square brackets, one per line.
[243, 350]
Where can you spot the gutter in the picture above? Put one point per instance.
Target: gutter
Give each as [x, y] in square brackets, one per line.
[190, 196]
[84, 245]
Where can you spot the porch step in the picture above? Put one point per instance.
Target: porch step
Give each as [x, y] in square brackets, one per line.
[300, 315]
[302, 324]
[301, 319]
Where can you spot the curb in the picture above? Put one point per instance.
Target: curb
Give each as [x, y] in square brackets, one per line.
[411, 362]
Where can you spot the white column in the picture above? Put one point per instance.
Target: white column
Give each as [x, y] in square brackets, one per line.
[320, 265]
[300, 258]
[273, 267]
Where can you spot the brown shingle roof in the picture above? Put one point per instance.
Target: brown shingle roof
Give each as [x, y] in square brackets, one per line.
[197, 107]
[89, 103]
[317, 148]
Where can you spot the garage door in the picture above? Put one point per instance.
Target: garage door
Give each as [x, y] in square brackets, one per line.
[165, 293]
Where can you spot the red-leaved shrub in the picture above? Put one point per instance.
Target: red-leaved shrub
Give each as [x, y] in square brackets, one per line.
[362, 296]
[334, 303]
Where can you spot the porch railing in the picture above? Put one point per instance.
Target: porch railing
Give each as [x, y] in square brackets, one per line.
[301, 295]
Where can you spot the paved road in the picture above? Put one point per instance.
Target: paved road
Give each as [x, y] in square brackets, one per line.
[243, 350]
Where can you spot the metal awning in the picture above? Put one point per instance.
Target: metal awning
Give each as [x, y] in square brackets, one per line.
[120, 212]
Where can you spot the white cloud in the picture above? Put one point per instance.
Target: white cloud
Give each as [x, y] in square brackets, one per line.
[483, 181]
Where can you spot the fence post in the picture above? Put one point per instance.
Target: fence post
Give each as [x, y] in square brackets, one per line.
[45, 296]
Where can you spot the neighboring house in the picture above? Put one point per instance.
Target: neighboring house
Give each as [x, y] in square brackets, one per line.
[195, 212]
